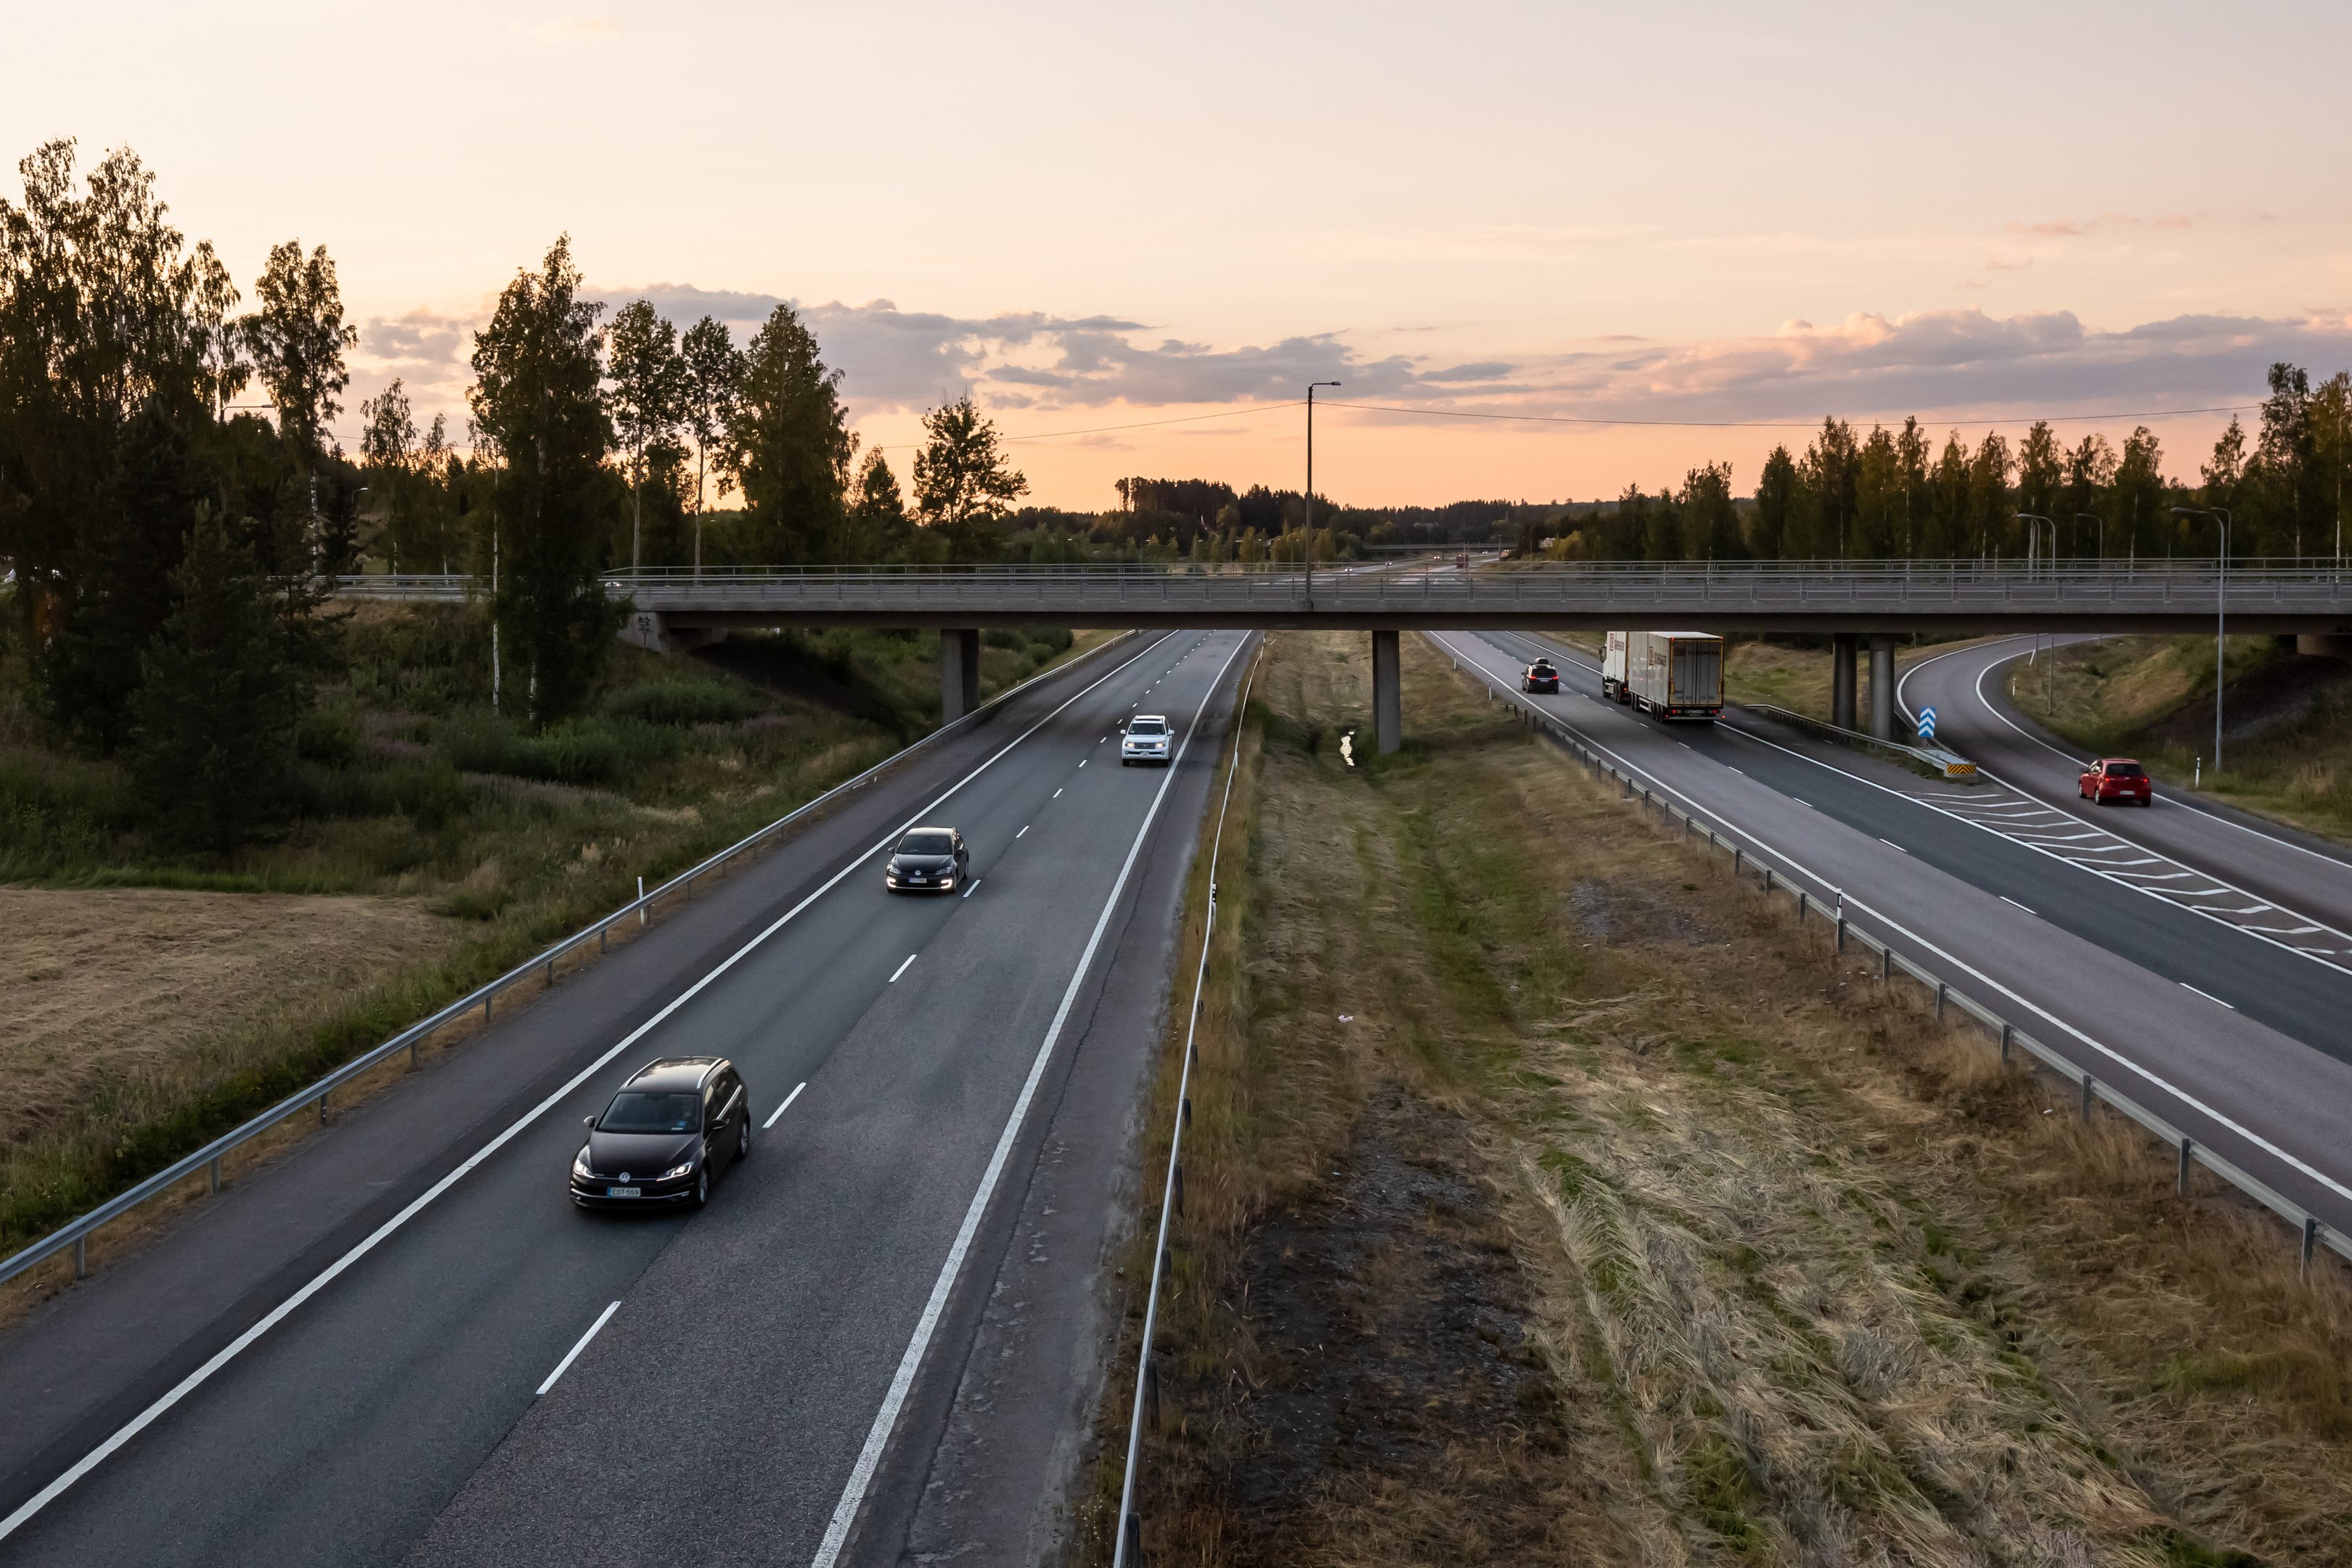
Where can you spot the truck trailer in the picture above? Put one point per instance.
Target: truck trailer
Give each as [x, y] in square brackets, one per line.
[1678, 675]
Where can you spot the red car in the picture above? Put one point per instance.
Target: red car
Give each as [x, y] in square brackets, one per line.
[2115, 778]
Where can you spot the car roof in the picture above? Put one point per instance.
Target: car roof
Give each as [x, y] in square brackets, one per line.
[674, 1072]
[2102, 761]
[1155, 718]
[930, 827]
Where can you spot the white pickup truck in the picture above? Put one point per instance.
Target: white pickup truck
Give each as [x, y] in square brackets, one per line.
[1678, 675]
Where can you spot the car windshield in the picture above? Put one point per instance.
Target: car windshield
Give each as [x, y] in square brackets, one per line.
[652, 1110]
[927, 844]
[2125, 770]
[1146, 727]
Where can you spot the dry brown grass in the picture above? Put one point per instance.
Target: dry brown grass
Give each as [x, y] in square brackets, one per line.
[123, 993]
[1806, 1278]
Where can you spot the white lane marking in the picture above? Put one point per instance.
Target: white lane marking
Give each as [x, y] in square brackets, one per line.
[973, 888]
[2207, 995]
[787, 1105]
[1806, 803]
[1082, 762]
[1057, 794]
[1896, 848]
[900, 970]
[573, 1353]
[2071, 761]
[416, 1206]
[2164, 895]
[2007, 899]
[877, 1436]
[1024, 828]
[2220, 1118]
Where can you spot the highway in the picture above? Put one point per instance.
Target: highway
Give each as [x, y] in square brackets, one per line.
[2236, 1038]
[402, 1343]
[2307, 881]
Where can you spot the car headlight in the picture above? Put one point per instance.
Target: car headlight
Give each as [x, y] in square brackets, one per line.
[579, 1162]
[686, 1169]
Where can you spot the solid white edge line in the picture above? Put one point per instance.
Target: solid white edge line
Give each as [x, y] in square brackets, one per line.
[2103, 873]
[1896, 848]
[973, 888]
[877, 1436]
[2167, 800]
[573, 1353]
[900, 970]
[279, 1314]
[2220, 1118]
[2209, 996]
[777, 1114]
[2005, 898]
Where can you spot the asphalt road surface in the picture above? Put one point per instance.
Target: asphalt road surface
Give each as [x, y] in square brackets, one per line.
[880, 1341]
[2235, 1038]
[2248, 860]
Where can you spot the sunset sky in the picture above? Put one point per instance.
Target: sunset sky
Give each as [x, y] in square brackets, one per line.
[1096, 217]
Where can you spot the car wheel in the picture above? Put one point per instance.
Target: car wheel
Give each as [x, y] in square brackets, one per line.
[702, 1186]
[743, 1138]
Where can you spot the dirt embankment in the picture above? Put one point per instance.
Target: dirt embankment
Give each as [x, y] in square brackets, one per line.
[1550, 1199]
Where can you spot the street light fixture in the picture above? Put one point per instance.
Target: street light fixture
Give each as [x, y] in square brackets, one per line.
[2221, 623]
[1311, 488]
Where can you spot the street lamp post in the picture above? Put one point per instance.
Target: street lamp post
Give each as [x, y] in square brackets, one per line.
[2221, 621]
[2049, 669]
[1311, 488]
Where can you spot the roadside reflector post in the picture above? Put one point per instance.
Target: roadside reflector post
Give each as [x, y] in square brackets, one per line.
[215, 1170]
[2089, 1088]
[1734, 859]
[641, 900]
[2180, 1183]
[1886, 963]
[1177, 1193]
[1801, 906]
[81, 1258]
[1151, 1391]
[2310, 1244]
[1768, 879]
[1939, 1001]
[1133, 1544]
[1840, 933]
[2005, 1031]
[323, 1108]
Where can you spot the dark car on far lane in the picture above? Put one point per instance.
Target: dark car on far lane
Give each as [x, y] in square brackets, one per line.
[664, 1138]
[1540, 676]
[927, 861]
[2115, 778]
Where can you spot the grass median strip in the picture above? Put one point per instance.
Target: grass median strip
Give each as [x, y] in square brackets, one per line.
[1549, 1198]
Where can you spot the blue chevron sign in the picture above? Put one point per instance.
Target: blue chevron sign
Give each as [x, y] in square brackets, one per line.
[1927, 724]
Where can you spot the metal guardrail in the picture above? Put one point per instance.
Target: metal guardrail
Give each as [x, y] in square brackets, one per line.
[75, 1233]
[1944, 764]
[2182, 590]
[1129, 1545]
[2310, 1230]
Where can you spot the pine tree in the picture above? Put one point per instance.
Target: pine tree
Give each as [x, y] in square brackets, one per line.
[788, 444]
[219, 701]
[540, 413]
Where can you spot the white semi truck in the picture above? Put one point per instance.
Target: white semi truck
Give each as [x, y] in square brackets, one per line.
[1678, 675]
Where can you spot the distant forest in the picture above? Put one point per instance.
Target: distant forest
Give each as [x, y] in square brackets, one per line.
[1891, 494]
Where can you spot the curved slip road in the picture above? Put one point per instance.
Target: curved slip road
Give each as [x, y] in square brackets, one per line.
[340, 1361]
[2307, 880]
[2237, 1041]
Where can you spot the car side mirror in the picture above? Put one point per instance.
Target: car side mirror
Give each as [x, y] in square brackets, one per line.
[589, 1122]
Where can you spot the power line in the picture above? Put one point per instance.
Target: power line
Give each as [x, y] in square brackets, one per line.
[1766, 424]
[1139, 425]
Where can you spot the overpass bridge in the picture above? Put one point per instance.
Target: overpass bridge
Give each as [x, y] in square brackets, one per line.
[1851, 601]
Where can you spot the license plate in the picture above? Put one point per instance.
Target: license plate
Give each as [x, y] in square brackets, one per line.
[625, 1192]
[915, 878]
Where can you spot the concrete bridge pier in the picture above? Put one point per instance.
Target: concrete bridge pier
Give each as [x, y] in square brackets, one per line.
[1842, 679]
[1388, 726]
[1881, 686]
[959, 672]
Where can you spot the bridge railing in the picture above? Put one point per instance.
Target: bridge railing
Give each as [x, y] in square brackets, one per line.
[1643, 591]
